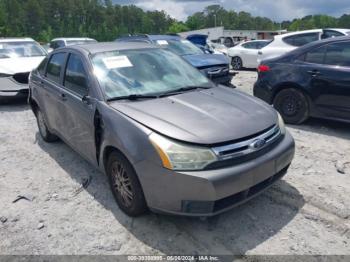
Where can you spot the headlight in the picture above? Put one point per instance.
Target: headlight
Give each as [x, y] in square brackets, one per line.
[281, 124]
[178, 156]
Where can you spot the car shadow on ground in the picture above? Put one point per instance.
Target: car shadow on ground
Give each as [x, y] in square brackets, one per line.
[325, 127]
[234, 232]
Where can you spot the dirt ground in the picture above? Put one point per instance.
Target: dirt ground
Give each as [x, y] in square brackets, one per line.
[308, 212]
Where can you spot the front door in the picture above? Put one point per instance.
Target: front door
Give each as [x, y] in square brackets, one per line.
[77, 111]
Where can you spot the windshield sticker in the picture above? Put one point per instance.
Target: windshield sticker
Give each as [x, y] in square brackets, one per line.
[162, 42]
[185, 41]
[117, 62]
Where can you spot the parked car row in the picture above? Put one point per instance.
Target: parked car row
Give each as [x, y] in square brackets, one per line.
[21, 55]
[169, 139]
[250, 54]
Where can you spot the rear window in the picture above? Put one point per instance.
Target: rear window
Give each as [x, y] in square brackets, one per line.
[302, 39]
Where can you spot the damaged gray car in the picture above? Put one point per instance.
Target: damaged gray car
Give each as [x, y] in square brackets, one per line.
[168, 138]
[18, 56]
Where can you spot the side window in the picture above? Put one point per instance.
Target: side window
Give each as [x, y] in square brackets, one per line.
[53, 45]
[55, 66]
[316, 56]
[60, 43]
[75, 77]
[41, 67]
[330, 33]
[300, 40]
[338, 54]
[249, 45]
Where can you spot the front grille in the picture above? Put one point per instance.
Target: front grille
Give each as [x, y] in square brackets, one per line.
[242, 196]
[21, 78]
[214, 72]
[244, 150]
[248, 146]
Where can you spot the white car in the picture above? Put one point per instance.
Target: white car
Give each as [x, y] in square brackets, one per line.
[218, 48]
[67, 41]
[288, 42]
[246, 54]
[18, 57]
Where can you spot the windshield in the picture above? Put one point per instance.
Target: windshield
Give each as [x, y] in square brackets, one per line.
[180, 47]
[144, 72]
[80, 42]
[20, 49]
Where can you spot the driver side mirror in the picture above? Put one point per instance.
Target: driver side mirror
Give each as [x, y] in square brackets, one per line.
[86, 100]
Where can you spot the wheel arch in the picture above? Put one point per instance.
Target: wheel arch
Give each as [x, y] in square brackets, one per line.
[290, 85]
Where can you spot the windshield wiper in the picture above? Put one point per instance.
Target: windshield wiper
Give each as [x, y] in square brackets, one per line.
[131, 97]
[182, 90]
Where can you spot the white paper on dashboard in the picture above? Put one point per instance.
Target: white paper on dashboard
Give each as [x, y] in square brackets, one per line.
[162, 42]
[117, 62]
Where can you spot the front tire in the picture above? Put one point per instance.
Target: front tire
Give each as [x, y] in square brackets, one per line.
[293, 106]
[236, 63]
[46, 135]
[125, 185]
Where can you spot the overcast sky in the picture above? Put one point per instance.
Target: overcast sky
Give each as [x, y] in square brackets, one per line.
[277, 10]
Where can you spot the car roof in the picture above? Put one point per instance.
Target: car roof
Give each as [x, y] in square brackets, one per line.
[150, 37]
[342, 30]
[16, 39]
[259, 40]
[311, 45]
[72, 38]
[299, 33]
[94, 48]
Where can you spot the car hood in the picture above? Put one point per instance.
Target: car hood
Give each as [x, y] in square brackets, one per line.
[205, 117]
[19, 65]
[204, 60]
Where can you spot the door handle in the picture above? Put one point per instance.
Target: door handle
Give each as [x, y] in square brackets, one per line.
[63, 97]
[314, 73]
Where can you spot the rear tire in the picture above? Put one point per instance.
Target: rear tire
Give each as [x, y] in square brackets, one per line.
[236, 63]
[125, 185]
[46, 135]
[293, 106]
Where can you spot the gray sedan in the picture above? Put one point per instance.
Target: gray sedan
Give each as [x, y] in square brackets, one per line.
[168, 139]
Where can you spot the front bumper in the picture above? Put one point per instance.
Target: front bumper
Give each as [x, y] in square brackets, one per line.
[210, 192]
[223, 80]
[10, 87]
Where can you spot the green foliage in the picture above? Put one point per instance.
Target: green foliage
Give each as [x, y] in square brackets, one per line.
[177, 27]
[100, 19]
[104, 21]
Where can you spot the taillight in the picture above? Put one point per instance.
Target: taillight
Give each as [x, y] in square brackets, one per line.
[263, 68]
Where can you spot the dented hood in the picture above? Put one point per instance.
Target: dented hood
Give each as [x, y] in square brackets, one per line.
[203, 117]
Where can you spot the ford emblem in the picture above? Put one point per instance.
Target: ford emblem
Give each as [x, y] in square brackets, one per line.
[259, 143]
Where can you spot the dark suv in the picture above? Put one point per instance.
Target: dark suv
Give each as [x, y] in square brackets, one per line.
[312, 81]
[214, 66]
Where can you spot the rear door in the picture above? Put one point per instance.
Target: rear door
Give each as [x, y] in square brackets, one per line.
[327, 70]
[78, 108]
[249, 54]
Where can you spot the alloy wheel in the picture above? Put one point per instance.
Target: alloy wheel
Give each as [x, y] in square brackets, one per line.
[122, 184]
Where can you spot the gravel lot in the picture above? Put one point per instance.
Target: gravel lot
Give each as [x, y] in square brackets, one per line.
[308, 212]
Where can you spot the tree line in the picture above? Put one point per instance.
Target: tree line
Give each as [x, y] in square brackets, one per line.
[104, 21]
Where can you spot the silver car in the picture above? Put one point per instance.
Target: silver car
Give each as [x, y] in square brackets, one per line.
[168, 139]
[18, 56]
